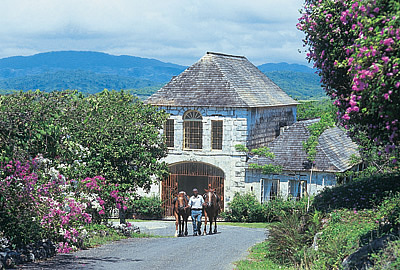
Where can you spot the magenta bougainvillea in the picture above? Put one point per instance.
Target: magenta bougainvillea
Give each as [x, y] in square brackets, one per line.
[355, 45]
[38, 203]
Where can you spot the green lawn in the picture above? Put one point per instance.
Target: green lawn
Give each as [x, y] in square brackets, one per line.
[262, 225]
[256, 260]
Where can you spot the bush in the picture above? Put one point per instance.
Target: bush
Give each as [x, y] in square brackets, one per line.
[246, 208]
[288, 239]
[37, 203]
[364, 193]
[389, 211]
[147, 207]
[275, 209]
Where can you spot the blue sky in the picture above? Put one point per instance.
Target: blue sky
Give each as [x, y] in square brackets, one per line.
[178, 31]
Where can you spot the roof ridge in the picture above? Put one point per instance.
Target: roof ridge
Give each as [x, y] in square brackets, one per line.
[228, 55]
[231, 86]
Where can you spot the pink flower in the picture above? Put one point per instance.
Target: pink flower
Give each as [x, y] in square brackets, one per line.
[385, 59]
[388, 41]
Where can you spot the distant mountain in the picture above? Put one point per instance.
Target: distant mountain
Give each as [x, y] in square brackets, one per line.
[97, 62]
[299, 81]
[92, 72]
[298, 85]
[84, 81]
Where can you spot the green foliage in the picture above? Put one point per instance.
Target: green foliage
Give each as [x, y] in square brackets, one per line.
[315, 109]
[354, 44]
[388, 258]
[241, 148]
[365, 193]
[246, 208]
[316, 129]
[389, 210]
[259, 259]
[345, 231]
[112, 134]
[262, 151]
[100, 234]
[288, 238]
[147, 207]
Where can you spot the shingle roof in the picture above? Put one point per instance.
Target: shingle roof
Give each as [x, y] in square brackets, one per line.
[221, 80]
[334, 149]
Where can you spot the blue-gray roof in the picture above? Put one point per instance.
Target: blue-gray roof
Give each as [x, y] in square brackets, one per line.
[220, 80]
[334, 150]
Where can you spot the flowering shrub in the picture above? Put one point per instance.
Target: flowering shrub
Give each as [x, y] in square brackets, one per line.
[38, 203]
[355, 46]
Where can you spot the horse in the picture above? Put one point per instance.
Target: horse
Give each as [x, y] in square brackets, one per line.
[181, 213]
[211, 209]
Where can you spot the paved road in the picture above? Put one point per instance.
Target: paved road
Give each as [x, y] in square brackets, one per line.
[216, 251]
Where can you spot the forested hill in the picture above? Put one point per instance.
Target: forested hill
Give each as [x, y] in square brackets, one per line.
[298, 81]
[91, 72]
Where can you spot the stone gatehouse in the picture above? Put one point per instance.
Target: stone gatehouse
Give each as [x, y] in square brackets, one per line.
[217, 103]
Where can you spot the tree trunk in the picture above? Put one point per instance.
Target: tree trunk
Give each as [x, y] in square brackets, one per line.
[122, 215]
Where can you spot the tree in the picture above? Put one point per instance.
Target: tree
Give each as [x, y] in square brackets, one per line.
[112, 134]
[355, 46]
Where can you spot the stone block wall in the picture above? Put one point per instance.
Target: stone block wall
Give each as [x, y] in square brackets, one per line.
[235, 132]
[264, 124]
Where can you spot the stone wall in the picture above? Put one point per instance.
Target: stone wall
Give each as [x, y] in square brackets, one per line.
[264, 124]
[228, 159]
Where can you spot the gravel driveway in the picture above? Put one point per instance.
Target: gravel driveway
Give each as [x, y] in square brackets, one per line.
[216, 251]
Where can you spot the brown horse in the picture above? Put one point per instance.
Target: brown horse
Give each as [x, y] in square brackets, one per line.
[211, 209]
[181, 213]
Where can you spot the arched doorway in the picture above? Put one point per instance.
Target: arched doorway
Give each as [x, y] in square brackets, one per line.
[188, 175]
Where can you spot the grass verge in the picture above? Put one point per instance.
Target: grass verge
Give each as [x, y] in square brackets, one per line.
[100, 235]
[260, 225]
[257, 260]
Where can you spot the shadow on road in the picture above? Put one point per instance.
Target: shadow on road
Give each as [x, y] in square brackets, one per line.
[69, 261]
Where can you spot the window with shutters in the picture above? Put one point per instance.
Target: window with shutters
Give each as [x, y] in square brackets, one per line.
[193, 130]
[216, 134]
[269, 189]
[169, 132]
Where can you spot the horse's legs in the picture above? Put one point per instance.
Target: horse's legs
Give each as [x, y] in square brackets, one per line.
[186, 221]
[180, 225]
[215, 225]
[205, 223]
[210, 219]
[176, 224]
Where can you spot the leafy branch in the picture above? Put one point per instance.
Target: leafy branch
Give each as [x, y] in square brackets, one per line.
[262, 151]
[316, 129]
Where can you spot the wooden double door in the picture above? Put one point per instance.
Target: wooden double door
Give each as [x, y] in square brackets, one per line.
[185, 177]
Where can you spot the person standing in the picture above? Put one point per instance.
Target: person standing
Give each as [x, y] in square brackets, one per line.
[196, 204]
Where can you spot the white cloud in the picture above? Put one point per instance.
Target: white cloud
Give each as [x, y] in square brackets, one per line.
[178, 31]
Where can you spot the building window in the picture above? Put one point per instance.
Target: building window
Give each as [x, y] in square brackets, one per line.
[269, 189]
[193, 130]
[216, 134]
[297, 189]
[169, 132]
